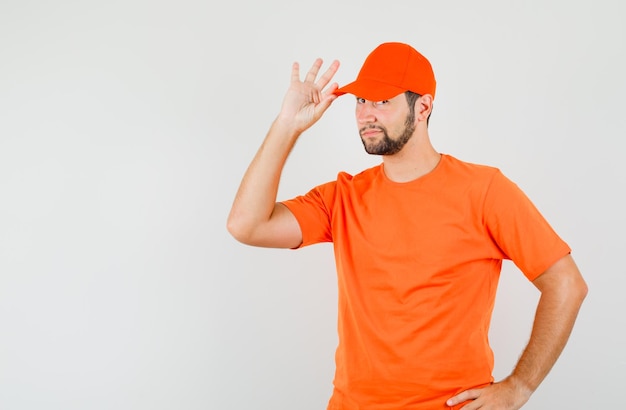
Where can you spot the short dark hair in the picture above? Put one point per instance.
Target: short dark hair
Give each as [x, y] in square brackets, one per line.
[411, 97]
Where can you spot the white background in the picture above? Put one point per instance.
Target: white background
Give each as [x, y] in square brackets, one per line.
[125, 127]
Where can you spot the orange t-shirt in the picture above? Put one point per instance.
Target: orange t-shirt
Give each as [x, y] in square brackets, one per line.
[418, 265]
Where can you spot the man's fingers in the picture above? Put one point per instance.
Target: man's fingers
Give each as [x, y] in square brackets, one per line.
[312, 73]
[463, 396]
[327, 98]
[315, 97]
[328, 75]
[315, 68]
[331, 90]
[313, 90]
[295, 72]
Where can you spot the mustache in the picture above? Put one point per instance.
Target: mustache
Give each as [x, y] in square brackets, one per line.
[372, 127]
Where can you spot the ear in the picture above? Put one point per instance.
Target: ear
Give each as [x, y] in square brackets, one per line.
[423, 107]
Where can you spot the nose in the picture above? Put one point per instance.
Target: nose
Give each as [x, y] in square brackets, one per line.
[365, 113]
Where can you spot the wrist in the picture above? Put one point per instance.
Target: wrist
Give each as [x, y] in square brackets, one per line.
[521, 386]
[285, 125]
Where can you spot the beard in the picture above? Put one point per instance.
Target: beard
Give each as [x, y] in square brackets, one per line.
[388, 145]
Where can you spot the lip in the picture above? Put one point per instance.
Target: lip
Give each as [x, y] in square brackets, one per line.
[370, 132]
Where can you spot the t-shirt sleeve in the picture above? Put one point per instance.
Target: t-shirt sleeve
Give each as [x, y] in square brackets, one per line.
[519, 229]
[313, 212]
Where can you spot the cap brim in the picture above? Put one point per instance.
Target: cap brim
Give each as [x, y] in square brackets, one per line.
[370, 90]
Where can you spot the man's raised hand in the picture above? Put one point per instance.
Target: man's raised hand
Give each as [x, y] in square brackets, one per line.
[307, 100]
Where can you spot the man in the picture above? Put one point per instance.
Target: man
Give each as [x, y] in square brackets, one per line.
[418, 240]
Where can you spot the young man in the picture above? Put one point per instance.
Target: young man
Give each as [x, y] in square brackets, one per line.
[419, 242]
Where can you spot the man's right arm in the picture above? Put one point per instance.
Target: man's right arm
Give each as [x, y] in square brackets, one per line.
[255, 217]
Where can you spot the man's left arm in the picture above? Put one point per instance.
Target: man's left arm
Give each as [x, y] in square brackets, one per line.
[563, 290]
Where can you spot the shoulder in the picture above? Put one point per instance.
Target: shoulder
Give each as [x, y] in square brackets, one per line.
[364, 177]
[345, 182]
[461, 168]
[467, 175]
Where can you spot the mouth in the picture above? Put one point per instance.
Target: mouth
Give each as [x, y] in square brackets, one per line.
[370, 132]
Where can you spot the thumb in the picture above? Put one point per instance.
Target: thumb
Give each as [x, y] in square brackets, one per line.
[328, 97]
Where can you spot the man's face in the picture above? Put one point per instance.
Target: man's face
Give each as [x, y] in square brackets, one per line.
[385, 126]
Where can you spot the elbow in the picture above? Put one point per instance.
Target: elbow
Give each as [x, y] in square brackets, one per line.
[582, 290]
[244, 229]
[238, 230]
[563, 281]
[576, 290]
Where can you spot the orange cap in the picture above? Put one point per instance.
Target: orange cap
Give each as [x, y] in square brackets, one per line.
[389, 70]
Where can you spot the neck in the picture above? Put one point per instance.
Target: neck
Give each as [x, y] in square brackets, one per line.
[417, 158]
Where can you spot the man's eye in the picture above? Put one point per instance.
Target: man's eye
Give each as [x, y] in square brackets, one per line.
[383, 102]
[360, 100]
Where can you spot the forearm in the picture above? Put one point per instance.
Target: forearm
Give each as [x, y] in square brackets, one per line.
[256, 197]
[554, 319]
